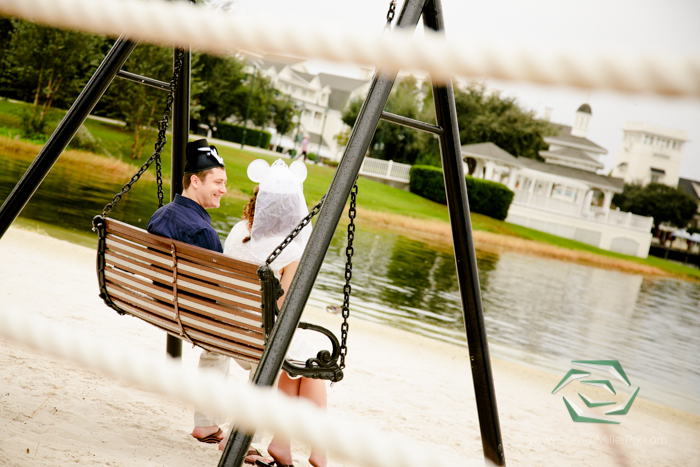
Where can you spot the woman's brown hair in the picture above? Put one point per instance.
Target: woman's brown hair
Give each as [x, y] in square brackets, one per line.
[249, 212]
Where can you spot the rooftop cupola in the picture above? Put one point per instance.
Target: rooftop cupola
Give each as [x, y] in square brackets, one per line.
[583, 116]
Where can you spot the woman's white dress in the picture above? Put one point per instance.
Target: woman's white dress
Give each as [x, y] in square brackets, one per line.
[302, 346]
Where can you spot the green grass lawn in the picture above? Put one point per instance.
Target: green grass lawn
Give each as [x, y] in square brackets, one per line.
[115, 141]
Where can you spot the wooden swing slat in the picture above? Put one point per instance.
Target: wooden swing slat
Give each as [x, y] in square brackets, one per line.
[227, 314]
[223, 294]
[231, 315]
[123, 286]
[202, 271]
[209, 258]
[130, 248]
[138, 236]
[168, 326]
[246, 336]
[144, 303]
[137, 284]
[221, 276]
[164, 316]
[227, 345]
[137, 267]
[226, 295]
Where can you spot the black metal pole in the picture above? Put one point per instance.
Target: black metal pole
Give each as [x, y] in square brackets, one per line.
[310, 264]
[465, 256]
[178, 142]
[64, 132]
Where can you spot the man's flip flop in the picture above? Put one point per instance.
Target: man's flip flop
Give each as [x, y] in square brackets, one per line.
[214, 438]
[260, 463]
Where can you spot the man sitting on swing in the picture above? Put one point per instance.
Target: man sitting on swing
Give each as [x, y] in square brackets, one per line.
[186, 219]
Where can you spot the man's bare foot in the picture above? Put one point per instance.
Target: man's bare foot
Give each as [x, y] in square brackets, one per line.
[208, 434]
[281, 452]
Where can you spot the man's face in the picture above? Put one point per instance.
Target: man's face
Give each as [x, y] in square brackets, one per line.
[208, 191]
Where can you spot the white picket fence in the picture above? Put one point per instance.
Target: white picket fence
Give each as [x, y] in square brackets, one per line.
[389, 170]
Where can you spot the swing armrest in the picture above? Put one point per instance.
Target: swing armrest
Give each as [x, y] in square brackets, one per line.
[325, 365]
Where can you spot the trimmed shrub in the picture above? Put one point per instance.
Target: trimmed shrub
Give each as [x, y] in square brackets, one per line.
[234, 133]
[427, 181]
[485, 197]
[311, 156]
[489, 198]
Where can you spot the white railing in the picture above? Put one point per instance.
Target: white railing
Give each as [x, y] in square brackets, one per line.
[626, 219]
[550, 204]
[389, 170]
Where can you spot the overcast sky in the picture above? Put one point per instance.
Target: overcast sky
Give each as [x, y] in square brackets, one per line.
[668, 27]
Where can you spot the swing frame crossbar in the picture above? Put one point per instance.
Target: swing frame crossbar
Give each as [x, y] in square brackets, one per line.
[411, 123]
[372, 111]
[154, 83]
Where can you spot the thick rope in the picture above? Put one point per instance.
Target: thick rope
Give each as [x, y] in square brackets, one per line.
[167, 23]
[251, 407]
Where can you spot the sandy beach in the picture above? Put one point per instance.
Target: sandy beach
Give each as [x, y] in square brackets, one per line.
[55, 413]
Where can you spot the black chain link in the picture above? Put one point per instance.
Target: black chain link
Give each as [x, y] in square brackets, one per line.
[160, 142]
[390, 15]
[349, 251]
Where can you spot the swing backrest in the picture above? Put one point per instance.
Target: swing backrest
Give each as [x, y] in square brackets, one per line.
[198, 295]
[203, 297]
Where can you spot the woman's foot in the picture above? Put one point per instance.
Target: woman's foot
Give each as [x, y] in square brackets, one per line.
[251, 456]
[317, 459]
[208, 434]
[280, 452]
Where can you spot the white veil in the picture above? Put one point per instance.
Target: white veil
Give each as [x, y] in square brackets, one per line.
[279, 207]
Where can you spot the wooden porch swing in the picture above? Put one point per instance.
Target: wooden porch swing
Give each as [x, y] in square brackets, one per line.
[210, 300]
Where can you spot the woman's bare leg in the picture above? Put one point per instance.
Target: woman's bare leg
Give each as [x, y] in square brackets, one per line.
[315, 391]
[279, 447]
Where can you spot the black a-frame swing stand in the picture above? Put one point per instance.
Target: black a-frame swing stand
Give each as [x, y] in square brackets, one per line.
[329, 216]
[458, 206]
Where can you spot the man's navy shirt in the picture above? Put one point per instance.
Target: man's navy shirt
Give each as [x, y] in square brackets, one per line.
[185, 220]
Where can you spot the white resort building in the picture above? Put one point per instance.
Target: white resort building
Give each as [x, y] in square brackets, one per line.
[563, 195]
[650, 154]
[320, 98]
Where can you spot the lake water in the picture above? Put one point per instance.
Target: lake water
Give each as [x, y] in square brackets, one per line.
[540, 312]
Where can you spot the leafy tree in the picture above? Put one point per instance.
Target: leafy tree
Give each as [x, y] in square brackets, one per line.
[394, 142]
[282, 114]
[139, 106]
[481, 117]
[217, 92]
[664, 203]
[488, 117]
[48, 67]
[221, 91]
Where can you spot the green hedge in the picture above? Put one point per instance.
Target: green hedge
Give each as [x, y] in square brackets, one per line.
[234, 133]
[485, 197]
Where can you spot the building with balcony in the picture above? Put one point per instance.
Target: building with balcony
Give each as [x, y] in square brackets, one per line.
[320, 99]
[650, 154]
[564, 195]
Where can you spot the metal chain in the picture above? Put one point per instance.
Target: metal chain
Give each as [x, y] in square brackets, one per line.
[304, 222]
[160, 142]
[349, 251]
[390, 15]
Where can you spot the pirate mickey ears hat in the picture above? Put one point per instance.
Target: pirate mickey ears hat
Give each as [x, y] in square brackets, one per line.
[200, 156]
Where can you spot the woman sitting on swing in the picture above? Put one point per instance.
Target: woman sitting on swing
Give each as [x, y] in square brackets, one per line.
[276, 208]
